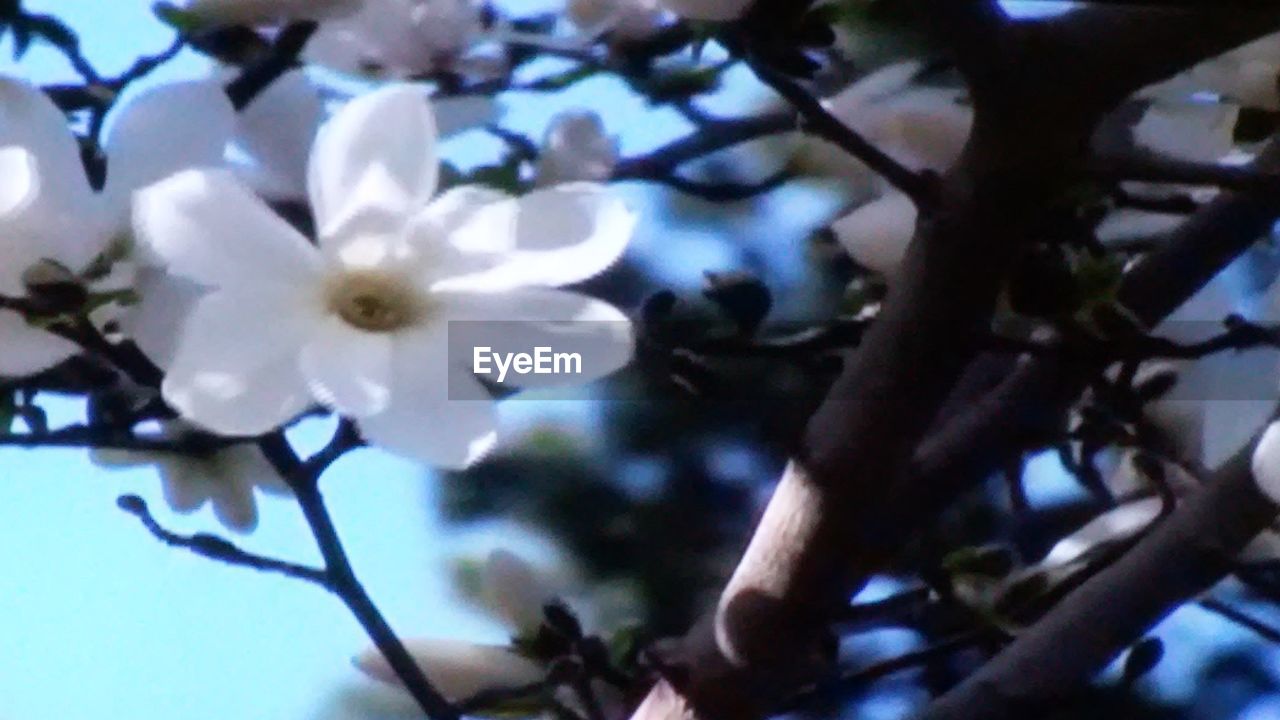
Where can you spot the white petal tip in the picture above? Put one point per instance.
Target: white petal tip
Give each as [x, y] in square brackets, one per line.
[1266, 463]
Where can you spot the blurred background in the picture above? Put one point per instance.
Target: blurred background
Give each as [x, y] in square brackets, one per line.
[638, 497]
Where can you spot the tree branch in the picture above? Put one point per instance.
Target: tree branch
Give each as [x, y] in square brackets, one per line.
[219, 549]
[705, 140]
[303, 478]
[1185, 554]
[839, 513]
[818, 121]
[282, 57]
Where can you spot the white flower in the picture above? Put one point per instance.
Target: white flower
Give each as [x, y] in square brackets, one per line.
[515, 591]
[920, 127]
[360, 323]
[48, 210]
[876, 235]
[1266, 463]
[275, 132]
[576, 148]
[625, 19]
[399, 38]
[458, 669]
[1197, 132]
[267, 12]
[710, 10]
[1129, 224]
[1119, 523]
[225, 478]
[1247, 75]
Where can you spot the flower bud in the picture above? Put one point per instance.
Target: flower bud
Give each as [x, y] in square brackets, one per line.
[458, 669]
[576, 148]
[513, 590]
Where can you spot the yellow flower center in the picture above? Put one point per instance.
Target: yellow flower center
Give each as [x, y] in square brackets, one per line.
[375, 301]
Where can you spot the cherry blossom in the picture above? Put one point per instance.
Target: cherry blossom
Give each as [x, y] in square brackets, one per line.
[50, 213]
[360, 323]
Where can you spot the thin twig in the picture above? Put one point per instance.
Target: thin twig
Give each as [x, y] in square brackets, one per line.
[1149, 167]
[303, 478]
[282, 58]
[817, 120]
[1241, 618]
[726, 192]
[712, 137]
[217, 548]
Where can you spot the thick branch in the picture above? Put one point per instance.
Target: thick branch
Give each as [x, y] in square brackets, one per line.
[834, 518]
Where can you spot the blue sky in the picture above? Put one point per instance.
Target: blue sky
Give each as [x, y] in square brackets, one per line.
[97, 620]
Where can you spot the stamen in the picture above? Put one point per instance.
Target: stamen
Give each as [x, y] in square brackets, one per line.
[375, 302]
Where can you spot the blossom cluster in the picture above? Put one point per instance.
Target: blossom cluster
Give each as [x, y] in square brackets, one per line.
[253, 322]
[306, 252]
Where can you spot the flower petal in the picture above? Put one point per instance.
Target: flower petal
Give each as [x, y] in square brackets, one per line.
[374, 161]
[562, 235]
[466, 230]
[528, 319]
[205, 226]
[515, 592]
[29, 119]
[277, 131]
[421, 422]
[348, 369]
[19, 189]
[155, 322]
[236, 368]
[457, 668]
[233, 500]
[1117, 524]
[876, 235]
[25, 350]
[19, 180]
[163, 130]
[183, 484]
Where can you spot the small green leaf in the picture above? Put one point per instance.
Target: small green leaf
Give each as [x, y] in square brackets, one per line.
[993, 561]
[183, 21]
